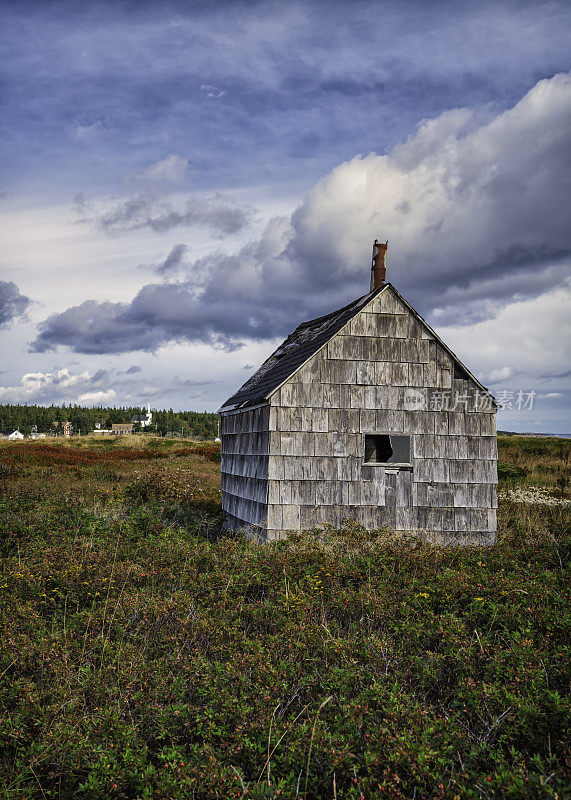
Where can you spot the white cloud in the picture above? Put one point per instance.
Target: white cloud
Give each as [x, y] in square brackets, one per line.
[219, 213]
[85, 132]
[527, 335]
[97, 398]
[59, 386]
[550, 396]
[474, 205]
[475, 208]
[171, 170]
[498, 375]
[212, 91]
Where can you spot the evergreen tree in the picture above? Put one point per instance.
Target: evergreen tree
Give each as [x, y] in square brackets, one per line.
[193, 424]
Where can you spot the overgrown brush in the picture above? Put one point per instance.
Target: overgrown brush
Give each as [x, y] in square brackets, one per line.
[145, 655]
[210, 451]
[33, 453]
[535, 461]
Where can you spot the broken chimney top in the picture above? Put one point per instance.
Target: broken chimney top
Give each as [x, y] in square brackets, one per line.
[378, 267]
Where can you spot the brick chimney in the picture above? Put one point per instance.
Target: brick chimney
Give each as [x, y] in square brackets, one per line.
[378, 268]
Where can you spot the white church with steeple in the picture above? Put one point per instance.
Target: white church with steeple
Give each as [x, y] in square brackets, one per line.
[144, 420]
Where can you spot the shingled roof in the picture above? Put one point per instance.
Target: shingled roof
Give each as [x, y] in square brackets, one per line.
[304, 342]
[300, 345]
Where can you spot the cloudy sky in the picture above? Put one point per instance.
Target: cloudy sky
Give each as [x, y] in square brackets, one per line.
[183, 183]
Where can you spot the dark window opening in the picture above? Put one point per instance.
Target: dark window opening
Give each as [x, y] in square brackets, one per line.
[459, 373]
[384, 448]
[378, 448]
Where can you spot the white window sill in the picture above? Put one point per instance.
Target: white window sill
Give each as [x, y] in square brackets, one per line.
[387, 464]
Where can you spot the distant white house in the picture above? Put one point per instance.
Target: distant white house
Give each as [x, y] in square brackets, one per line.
[12, 434]
[144, 420]
[98, 428]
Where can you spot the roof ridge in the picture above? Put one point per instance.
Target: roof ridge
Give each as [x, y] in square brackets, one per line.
[294, 351]
[306, 340]
[331, 313]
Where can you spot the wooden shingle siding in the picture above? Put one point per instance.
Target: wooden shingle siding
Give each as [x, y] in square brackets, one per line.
[473, 425]
[298, 462]
[242, 486]
[432, 495]
[418, 422]
[383, 372]
[253, 467]
[444, 378]
[250, 511]
[400, 374]
[431, 470]
[488, 424]
[387, 303]
[472, 471]
[244, 467]
[250, 443]
[487, 446]
[430, 374]
[416, 375]
[340, 372]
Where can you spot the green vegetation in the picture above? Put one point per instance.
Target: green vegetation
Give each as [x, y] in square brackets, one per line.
[534, 461]
[145, 655]
[191, 424]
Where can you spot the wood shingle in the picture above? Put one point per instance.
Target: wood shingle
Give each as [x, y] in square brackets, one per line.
[372, 377]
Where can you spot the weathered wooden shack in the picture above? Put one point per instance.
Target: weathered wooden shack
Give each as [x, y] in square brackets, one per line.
[365, 414]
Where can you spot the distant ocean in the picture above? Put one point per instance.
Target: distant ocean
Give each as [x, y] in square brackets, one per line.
[521, 433]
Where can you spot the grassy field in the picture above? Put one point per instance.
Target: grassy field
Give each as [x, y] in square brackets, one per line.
[144, 655]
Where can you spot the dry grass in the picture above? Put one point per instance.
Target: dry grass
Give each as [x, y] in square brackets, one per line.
[535, 461]
[137, 441]
[143, 656]
[101, 467]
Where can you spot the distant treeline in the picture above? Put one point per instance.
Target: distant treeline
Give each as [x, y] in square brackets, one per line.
[194, 424]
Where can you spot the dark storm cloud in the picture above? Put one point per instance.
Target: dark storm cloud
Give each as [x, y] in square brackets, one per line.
[190, 382]
[479, 208]
[220, 215]
[101, 376]
[173, 261]
[158, 314]
[93, 327]
[554, 375]
[12, 302]
[252, 91]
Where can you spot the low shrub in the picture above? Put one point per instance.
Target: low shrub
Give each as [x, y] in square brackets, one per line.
[32, 454]
[510, 472]
[144, 654]
[211, 452]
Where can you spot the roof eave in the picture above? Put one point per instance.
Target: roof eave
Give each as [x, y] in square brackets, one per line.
[358, 304]
[264, 399]
[366, 299]
[444, 345]
[242, 406]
